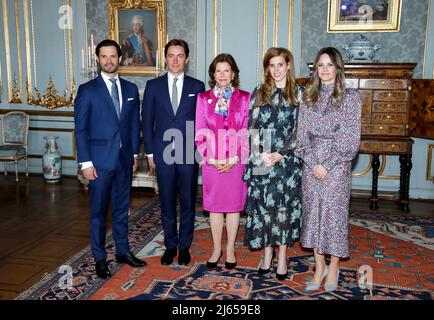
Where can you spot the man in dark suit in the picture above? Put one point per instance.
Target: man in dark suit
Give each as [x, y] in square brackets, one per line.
[107, 132]
[168, 114]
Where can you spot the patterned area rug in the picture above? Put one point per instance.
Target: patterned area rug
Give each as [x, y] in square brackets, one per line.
[391, 259]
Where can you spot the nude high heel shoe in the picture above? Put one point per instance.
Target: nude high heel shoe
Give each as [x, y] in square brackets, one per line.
[329, 287]
[310, 286]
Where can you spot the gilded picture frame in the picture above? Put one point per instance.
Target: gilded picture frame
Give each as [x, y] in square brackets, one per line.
[364, 16]
[139, 27]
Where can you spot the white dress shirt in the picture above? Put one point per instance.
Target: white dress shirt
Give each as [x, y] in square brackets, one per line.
[179, 84]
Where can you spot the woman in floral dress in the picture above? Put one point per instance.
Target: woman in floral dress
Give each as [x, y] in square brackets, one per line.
[273, 173]
[328, 138]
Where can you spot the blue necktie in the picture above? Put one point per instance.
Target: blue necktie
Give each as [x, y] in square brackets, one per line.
[115, 97]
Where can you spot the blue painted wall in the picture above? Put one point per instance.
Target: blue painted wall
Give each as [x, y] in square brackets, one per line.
[240, 31]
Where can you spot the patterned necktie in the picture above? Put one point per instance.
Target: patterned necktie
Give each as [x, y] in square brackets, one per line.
[174, 96]
[115, 97]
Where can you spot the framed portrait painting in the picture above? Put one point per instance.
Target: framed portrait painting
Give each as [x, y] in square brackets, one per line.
[364, 15]
[139, 27]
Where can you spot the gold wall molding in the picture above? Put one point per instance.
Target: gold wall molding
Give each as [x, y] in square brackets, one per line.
[50, 99]
[17, 94]
[28, 48]
[380, 170]
[265, 28]
[366, 170]
[73, 143]
[214, 28]
[290, 24]
[300, 64]
[276, 22]
[429, 177]
[221, 27]
[71, 64]
[32, 20]
[1, 84]
[217, 23]
[258, 44]
[426, 39]
[7, 50]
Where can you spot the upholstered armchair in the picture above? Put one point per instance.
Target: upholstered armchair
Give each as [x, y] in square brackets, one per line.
[14, 136]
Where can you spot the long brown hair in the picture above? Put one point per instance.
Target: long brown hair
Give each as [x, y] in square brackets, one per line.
[311, 94]
[224, 57]
[264, 92]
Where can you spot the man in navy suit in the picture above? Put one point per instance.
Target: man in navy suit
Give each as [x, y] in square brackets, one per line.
[107, 132]
[168, 114]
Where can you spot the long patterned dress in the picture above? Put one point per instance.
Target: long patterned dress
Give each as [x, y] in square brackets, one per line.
[273, 203]
[329, 136]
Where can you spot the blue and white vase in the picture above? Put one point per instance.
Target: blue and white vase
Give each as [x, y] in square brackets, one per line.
[52, 160]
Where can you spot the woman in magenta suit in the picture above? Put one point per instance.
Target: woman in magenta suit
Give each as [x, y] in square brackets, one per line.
[221, 139]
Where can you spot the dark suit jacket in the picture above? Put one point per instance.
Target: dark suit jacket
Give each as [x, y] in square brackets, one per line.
[157, 114]
[98, 131]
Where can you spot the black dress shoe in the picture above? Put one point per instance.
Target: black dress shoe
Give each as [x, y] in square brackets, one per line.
[131, 260]
[168, 256]
[262, 271]
[102, 270]
[212, 265]
[184, 257]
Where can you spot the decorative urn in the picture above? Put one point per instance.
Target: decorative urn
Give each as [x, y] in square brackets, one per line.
[51, 160]
[361, 49]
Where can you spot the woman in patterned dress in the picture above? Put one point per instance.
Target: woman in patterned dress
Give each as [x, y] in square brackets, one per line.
[328, 138]
[221, 139]
[273, 173]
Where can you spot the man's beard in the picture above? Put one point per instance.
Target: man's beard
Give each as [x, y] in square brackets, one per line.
[110, 69]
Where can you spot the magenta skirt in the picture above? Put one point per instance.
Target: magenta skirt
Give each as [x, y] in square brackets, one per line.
[223, 192]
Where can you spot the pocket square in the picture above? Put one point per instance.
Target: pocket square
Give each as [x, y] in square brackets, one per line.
[191, 95]
[129, 99]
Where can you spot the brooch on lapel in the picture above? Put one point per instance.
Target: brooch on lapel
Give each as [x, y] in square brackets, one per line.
[209, 101]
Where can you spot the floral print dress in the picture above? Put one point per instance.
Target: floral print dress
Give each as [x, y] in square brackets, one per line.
[273, 203]
[330, 136]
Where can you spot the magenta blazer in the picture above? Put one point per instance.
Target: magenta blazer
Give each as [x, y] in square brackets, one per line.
[222, 137]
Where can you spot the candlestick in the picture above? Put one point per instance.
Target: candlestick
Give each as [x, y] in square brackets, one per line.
[89, 58]
[82, 59]
[92, 44]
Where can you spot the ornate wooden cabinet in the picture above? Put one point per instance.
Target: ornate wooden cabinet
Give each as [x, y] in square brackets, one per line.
[385, 91]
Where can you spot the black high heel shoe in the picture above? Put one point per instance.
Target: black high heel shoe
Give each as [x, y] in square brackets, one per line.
[281, 277]
[231, 265]
[262, 271]
[212, 265]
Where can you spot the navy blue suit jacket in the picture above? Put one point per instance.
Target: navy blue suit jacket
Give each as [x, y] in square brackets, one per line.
[157, 114]
[98, 131]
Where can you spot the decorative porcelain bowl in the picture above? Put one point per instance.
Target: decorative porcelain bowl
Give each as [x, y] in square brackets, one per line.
[361, 49]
